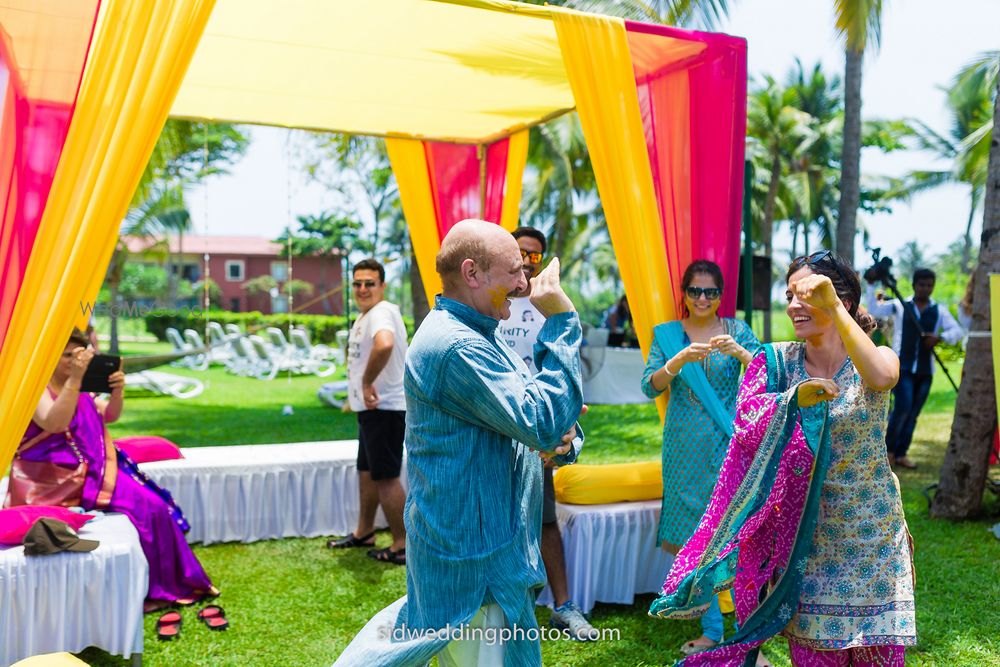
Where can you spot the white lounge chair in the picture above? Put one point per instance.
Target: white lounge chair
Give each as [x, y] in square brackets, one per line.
[166, 384]
[268, 363]
[316, 359]
[220, 344]
[333, 394]
[198, 362]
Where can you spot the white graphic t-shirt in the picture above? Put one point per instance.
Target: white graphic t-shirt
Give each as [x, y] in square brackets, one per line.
[383, 316]
[521, 330]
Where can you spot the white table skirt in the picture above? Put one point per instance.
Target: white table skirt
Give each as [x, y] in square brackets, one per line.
[245, 493]
[611, 552]
[617, 373]
[69, 601]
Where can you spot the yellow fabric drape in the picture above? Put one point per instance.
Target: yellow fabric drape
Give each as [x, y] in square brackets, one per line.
[140, 53]
[409, 165]
[517, 157]
[599, 65]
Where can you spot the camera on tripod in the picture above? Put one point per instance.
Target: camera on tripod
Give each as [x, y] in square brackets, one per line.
[881, 270]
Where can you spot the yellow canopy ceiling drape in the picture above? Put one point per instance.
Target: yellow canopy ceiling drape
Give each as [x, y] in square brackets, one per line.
[462, 71]
[136, 63]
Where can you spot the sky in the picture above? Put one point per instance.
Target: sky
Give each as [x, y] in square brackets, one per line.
[923, 47]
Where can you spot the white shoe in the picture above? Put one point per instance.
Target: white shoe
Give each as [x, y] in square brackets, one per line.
[569, 617]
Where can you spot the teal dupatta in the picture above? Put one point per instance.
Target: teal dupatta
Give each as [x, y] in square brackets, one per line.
[670, 337]
[757, 532]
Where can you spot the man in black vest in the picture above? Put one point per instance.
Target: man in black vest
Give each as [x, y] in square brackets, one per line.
[916, 363]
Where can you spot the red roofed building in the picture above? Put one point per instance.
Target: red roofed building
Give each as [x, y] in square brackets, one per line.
[234, 260]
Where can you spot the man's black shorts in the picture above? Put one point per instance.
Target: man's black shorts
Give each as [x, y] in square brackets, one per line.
[380, 442]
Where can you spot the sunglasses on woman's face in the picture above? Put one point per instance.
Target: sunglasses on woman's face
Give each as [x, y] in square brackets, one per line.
[533, 257]
[710, 293]
[823, 256]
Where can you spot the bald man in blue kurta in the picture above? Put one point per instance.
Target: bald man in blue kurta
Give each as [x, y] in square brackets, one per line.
[473, 514]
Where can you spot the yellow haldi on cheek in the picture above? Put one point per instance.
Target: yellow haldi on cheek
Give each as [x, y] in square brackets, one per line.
[497, 296]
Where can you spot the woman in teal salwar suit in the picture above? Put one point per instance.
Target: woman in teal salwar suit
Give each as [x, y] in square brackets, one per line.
[697, 362]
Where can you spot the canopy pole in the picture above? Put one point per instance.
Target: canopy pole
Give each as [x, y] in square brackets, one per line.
[747, 244]
[481, 155]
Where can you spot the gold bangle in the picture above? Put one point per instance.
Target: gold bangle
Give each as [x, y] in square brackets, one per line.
[668, 371]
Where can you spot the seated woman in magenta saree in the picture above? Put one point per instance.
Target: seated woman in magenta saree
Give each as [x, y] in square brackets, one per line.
[806, 523]
[69, 425]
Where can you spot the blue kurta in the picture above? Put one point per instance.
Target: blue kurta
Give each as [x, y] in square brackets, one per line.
[474, 504]
[693, 444]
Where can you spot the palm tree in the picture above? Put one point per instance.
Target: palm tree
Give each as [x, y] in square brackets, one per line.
[185, 152]
[967, 142]
[560, 190]
[781, 132]
[963, 473]
[163, 209]
[705, 14]
[860, 23]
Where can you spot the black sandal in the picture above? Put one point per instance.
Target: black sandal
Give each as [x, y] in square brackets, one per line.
[387, 555]
[351, 541]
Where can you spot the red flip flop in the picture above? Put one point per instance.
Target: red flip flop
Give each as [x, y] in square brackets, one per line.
[168, 626]
[214, 617]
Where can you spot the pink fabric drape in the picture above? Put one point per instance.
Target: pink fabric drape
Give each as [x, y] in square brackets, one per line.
[692, 95]
[456, 182]
[32, 133]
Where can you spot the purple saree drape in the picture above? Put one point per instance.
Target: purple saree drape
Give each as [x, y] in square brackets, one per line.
[115, 484]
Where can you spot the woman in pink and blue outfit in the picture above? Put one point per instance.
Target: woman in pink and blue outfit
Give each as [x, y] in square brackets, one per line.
[806, 524]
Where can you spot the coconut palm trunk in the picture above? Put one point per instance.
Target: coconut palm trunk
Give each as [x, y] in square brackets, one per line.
[967, 240]
[850, 164]
[417, 294]
[963, 473]
[767, 235]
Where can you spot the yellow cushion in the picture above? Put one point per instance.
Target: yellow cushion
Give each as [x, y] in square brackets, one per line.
[50, 660]
[615, 483]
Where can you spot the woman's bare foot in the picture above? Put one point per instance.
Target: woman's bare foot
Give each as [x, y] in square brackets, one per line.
[762, 660]
[698, 645]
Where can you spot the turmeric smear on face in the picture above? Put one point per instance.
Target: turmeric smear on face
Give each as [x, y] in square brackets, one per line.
[497, 296]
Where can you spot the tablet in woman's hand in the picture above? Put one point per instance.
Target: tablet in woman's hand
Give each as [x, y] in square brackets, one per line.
[95, 379]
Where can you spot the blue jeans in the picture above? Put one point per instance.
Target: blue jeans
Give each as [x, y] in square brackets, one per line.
[909, 396]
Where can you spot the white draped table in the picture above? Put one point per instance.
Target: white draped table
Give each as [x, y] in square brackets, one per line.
[69, 601]
[616, 374]
[245, 493]
[611, 552]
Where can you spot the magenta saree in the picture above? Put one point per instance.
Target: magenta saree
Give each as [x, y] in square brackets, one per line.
[115, 484]
[756, 534]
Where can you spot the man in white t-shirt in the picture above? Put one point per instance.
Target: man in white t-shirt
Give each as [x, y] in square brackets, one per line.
[519, 331]
[375, 357]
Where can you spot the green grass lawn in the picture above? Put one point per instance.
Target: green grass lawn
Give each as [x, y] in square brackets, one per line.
[293, 602]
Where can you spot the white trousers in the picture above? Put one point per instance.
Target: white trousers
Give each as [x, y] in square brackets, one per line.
[478, 652]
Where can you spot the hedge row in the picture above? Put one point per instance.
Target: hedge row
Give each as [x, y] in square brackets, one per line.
[322, 328]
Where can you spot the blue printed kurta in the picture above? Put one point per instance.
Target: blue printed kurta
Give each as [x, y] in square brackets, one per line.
[474, 505]
[693, 445]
